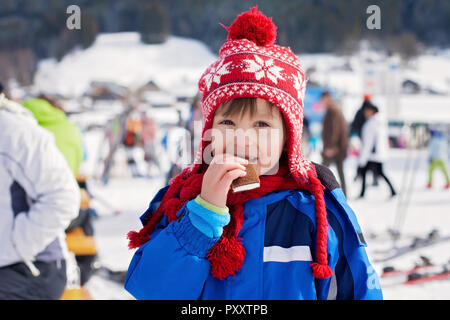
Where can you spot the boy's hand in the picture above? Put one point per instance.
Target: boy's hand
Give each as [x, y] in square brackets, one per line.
[222, 170]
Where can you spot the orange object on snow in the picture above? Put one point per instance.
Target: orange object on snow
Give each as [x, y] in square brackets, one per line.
[76, 294]
[79, 243]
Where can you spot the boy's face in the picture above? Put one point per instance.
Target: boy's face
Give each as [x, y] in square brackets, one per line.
[259, 138]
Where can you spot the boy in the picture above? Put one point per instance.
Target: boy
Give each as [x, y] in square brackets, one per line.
[201, 240]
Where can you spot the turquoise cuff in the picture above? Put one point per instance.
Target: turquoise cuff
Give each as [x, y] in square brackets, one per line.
[207, 221]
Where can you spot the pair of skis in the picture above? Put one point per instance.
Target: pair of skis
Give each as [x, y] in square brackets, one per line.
[425, 271]
[417, 243]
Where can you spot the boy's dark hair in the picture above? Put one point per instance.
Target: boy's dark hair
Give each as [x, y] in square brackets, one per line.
[1, 87]
[240, 106]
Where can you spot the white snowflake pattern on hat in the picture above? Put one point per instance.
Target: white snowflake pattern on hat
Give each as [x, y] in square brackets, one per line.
[216, 73]
[264, 69]
[299, 85]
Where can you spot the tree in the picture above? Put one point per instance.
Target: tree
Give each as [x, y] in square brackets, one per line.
[153, 22]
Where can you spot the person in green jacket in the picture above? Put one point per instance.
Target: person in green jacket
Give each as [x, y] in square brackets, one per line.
[67, 135]
[80, 232]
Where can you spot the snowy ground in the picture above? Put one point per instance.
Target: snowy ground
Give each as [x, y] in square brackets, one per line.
[428, 209]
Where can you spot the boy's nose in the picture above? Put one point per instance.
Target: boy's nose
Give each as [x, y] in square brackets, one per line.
[245, 146]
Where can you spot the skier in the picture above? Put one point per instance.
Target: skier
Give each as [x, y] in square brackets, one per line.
[335, 137]
[360, 119]
[79, 234]
[67, 136]
[356, 128]
[38, 198]
[148, 139]
[133, 131]
[438, 153]
[201, 240]
[374, 147]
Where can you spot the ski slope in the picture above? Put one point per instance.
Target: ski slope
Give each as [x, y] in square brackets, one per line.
[122, 58]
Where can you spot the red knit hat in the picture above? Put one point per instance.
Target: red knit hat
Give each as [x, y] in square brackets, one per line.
[250, 64]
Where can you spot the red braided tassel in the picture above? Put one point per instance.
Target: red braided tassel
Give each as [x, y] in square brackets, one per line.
[320, 269]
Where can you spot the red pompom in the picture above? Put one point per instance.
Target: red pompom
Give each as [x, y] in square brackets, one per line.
[226, 257]
[254, 26]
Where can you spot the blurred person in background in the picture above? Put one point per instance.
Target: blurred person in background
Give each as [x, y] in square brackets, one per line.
[80, 233]
[51, 116]
[148, 139]
[306, 136]
[38, 199]
[438, 153]
[194, 116]
[359, 119]
[356, 128]
[335, 136]
[132, 139]
[374, 147]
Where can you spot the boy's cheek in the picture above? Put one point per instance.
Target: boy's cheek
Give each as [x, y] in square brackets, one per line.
[218, 142]
[271, 148]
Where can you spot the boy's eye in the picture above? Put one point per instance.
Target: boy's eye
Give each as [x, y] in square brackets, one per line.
[227, 122]
[262, 124]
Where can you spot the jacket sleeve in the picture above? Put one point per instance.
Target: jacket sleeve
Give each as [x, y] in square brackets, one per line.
[353, 275]
[173, 263]
[39, 167]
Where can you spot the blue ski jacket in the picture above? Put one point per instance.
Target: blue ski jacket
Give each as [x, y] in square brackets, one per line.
[278, 233]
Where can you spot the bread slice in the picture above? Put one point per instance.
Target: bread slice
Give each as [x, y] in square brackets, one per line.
[248, 182]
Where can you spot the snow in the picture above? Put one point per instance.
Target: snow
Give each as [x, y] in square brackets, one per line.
[427, 210]
[123, 59]
[354, 76]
